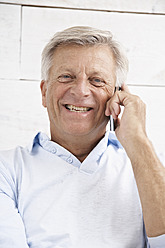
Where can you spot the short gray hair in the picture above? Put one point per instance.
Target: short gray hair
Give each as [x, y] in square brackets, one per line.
[83, 36]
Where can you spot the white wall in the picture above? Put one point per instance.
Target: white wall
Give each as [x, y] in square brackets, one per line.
[26, 26]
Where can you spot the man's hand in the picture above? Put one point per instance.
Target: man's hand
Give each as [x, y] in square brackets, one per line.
[149, 172]
[133, 120]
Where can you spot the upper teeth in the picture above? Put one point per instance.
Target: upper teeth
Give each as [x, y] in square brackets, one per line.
[75, 108]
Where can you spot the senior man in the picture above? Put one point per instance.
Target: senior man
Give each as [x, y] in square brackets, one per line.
[85, 186]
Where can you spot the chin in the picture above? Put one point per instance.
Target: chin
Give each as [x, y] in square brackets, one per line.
[84, 130]
[78, 132]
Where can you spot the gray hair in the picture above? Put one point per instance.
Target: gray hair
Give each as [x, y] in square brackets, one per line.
[84, 36]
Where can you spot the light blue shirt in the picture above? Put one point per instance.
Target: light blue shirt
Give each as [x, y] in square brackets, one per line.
[49, 199]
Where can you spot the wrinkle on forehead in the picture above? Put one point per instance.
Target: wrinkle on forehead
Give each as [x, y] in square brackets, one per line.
[96, 60]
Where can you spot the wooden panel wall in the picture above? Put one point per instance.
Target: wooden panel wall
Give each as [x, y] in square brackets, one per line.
[26, 26]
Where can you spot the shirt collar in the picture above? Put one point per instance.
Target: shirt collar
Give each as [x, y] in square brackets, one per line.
[90, 164]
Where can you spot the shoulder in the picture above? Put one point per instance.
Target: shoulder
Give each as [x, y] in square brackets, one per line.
[8, 158]
[11, 165]
[13, 157]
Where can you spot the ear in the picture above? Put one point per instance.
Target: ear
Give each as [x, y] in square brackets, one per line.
[43, 87]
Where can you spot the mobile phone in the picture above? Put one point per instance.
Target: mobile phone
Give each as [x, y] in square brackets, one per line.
[111, 120]
[112, 123]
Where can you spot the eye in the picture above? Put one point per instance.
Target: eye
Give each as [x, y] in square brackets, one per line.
[65, 78]
[98, 82]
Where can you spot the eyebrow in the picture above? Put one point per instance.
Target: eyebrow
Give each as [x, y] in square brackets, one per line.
[95, 71]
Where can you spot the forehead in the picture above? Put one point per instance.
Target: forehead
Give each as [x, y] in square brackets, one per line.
[96, 57]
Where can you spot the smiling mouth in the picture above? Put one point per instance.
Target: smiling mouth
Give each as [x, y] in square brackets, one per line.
[77, 109]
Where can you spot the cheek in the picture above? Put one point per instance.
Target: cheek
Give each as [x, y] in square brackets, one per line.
[51, 100]
[53, 94]
[105, 94]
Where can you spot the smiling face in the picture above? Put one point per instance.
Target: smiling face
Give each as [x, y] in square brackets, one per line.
[81, 81]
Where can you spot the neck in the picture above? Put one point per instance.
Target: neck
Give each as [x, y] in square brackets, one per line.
[79, 146]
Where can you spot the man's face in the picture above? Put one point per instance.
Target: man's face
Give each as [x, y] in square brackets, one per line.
[81, 81]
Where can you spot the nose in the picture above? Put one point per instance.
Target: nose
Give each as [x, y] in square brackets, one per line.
[81, 87]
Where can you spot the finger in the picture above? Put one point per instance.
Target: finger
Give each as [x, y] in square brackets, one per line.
[113, 107]
[119, 98]
[125, 88]
[116, 109]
